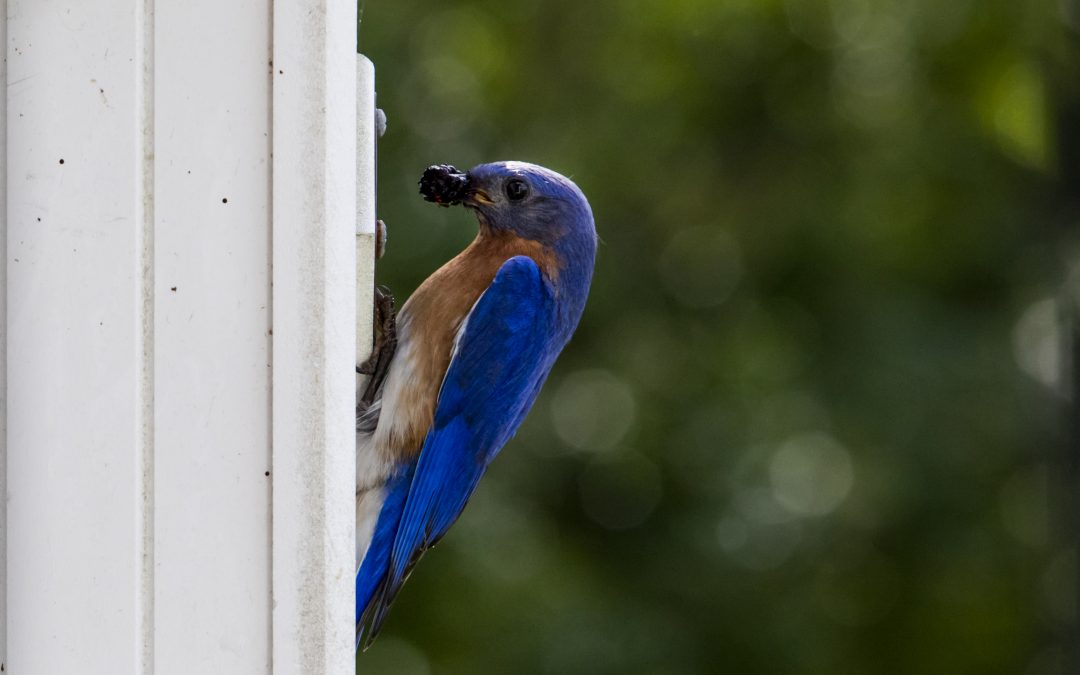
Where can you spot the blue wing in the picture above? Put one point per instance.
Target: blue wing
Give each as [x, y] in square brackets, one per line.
[502, 358]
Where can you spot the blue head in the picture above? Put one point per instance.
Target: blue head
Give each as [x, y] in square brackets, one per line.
[529, 201]
[538, 204]
[515, 198]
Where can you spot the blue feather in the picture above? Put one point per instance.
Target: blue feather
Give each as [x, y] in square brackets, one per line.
[509, 344]
[373, 569]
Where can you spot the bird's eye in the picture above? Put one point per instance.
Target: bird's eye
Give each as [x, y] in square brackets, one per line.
[516, 189]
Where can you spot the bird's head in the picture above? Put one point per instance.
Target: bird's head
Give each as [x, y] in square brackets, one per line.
[517, 197]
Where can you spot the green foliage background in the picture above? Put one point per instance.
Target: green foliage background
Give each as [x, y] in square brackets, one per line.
[811, 422]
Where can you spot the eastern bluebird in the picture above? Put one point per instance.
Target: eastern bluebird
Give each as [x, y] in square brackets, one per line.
[475, 342]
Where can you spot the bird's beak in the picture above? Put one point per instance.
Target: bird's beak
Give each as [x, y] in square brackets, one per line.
[475, 197]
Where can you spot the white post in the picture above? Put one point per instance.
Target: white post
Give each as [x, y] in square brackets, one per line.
[365, 204]
[177, 336]
[314, 117]
[74, 471]
[3, 339]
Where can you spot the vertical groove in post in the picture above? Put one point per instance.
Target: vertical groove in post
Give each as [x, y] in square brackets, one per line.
[144, 337]
[3, 335]
[270, 336]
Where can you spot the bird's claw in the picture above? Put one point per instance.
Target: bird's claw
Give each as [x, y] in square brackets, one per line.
[382, 351]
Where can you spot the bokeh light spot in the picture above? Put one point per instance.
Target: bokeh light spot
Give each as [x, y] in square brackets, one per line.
[592, 410]
[1037, 342]
[757, 533]
[811, 474]
[1013, 106]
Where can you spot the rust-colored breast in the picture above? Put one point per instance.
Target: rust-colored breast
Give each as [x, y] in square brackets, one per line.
[428, 325]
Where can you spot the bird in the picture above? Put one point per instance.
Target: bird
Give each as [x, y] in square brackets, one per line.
[474, 344]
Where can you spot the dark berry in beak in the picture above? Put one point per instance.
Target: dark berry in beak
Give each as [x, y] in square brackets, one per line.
[443, 184]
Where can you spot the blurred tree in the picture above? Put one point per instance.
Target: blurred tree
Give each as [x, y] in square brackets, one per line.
[810, 421]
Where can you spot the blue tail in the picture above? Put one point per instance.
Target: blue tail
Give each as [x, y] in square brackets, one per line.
[372, 572]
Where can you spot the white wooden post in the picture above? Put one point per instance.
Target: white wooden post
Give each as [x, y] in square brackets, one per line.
[3, 338]
[365, 206]
[178, 332]
[315, 319]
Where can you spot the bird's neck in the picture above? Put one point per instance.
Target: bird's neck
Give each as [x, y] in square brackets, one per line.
[576, 252]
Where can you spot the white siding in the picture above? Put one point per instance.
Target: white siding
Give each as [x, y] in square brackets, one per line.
[212, 356]
[3, 335]
[72, 319]
[314, 193]
[180, 319]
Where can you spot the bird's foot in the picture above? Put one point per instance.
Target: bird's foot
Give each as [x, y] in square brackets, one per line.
[382, 351]
[384, 308]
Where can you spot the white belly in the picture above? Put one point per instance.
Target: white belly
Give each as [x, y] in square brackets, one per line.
[400, 408]
[368, 506]
[372, 470]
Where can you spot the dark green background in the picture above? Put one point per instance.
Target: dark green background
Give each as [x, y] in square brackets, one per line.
[812, 419]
